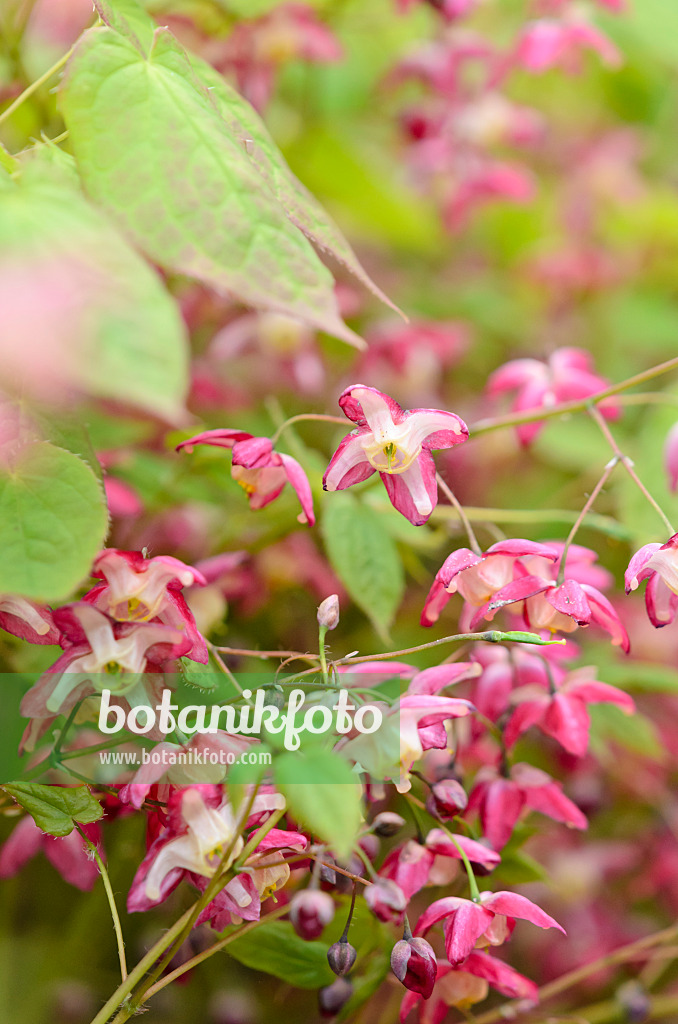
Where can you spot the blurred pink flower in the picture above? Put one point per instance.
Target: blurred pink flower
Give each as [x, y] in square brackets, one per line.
[658, 564]
[68, 854]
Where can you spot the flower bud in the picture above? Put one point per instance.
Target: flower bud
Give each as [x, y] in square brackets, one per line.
[310, 911]
[328, 612]
[332, 998]
[414, 964]
[341, 956]
[635, 1001]
[446, 799]
[387, 824]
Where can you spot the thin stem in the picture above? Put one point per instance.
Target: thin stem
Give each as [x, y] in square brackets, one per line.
[198, 959]
[34, 86]
[322, 633]
[473, 885]
[117, 927]
[475, 546]
[572, 978]
[604, 524]
[584, 512]
[265, 655]
[138, 972]
[548, 413]
[628, 466]
[491, 636]
[308, 416]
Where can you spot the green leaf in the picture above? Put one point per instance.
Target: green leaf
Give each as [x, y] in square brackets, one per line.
[55, 809]
[178, 182]
[323, 794]
[364, 557]
[80, 295]
[636, 733]
[642, 675]
[53, 520]
[300, 205]
[276, 949]
[129, 19]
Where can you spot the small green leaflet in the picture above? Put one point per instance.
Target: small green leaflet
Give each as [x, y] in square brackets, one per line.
[56, 809]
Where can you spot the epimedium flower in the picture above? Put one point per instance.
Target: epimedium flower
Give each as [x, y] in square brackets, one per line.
[413, 865]
[140, 589]
[466, 985]
[478, 577]
[500, 800]
[395, 443]
[658, 564]
[562, 713]
[261, 472]
[68, 854]
[567, 375]
[100, 653]
[487, 921]
[413, 961]
[202, 827]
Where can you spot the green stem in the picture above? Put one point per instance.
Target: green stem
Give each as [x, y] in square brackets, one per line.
[198, 959]
[604, 524]
[309, 416]
[582, 515]
[449, 494]
[117, 927]
[628, 466]
[34, 86]
[515, 419]
[322, 633]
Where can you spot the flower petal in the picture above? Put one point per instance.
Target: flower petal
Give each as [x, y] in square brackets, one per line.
[349, 465]
[414, 492]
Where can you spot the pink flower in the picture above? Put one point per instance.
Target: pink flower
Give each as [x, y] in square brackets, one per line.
[478, 577]
[566, 376]
[101, 654]
[27, 620]
[483, 181]
[201, 827]
[548, 43]
[489, 921]
[413, 356]
[413, 865]
[658, 564]
[68, 855]
[462, 987]
[562, 713]
[449, 9]
[671, 456]
[500, 800]
[395, 443]
[139, 589]
[256, 49]
[261, 472]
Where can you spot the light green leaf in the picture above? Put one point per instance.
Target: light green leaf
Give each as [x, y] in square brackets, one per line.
[53, 520]
[80, 301]
[55, 809]
[276, 949]
[364, 556]
[129, 19]
[301, 206]
[609, 724]
[179, 183]
[323, 794]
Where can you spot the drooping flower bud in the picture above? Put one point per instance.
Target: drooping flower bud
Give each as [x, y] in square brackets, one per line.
[387, 824]
[332, 998]
[328, 612]
[341, 956]
[446, 799]
[310, 911]
[414, 964]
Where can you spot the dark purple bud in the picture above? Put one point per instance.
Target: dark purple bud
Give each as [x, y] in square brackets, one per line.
[334, 997]
[414, 963]
[341, 956]
[310, 911]
[386, 899]
[635, 1001]
[446, 799]
[387, 824]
